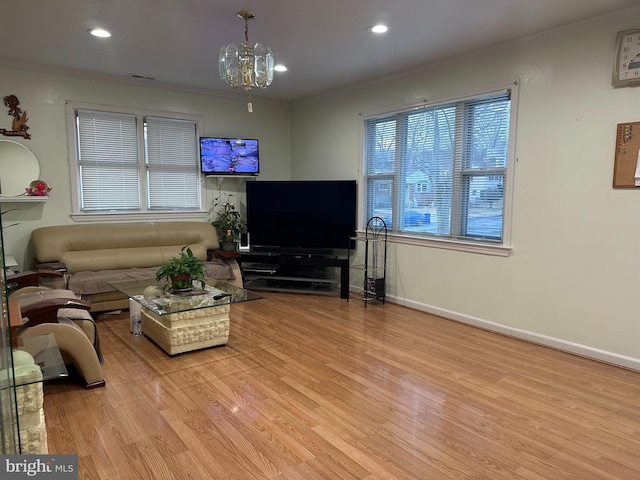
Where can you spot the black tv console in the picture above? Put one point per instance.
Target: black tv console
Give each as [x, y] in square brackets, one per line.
[293, 272]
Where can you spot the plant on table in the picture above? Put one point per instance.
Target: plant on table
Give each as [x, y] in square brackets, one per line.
[181, 271]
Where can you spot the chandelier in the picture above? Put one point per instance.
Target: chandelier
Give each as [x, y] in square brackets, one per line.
[246, 66]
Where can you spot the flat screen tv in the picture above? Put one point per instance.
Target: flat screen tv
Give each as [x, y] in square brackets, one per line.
[301, 216]
[229, 156]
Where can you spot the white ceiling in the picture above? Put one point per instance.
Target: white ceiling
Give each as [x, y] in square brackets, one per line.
[325, 44]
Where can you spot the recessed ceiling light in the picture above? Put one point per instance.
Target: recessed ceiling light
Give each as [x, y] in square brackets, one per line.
[379, 28]
[99, 32]
[280, 68]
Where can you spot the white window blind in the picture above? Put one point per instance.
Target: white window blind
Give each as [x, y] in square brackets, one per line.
[172, 164]
[108, 161]
[440, 170]
[129, 163]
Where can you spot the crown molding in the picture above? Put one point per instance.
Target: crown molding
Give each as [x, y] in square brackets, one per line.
[126, 80]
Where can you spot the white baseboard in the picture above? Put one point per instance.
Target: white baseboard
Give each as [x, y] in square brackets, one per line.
[556, 343]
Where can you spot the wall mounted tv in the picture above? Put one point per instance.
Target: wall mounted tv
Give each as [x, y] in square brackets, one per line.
[229, 156]
[301, 216]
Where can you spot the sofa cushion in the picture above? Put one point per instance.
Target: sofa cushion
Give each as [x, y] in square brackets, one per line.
[110, 246]
[124, 258]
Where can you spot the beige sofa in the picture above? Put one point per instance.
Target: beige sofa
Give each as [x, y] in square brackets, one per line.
[95, 254]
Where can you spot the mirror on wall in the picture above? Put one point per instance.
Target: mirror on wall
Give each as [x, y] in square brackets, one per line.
[18, 168]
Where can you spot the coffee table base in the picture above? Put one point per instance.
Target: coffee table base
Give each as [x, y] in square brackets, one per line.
[186, 331]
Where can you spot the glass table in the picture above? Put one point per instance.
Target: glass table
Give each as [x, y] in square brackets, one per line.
[22, 382]
[46, 354]
[183, 321]
[47, 364]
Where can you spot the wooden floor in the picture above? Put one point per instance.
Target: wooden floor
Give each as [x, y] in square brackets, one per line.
[313, 387]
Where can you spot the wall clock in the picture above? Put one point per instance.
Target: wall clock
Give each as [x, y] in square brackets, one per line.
[626, 65]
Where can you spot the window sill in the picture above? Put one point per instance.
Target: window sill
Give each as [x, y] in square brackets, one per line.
[447, 244]
[138, 216]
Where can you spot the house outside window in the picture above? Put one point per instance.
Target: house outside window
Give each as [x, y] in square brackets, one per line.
[441, 171]
[133, 163]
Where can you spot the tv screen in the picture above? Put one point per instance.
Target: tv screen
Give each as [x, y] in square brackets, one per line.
[301, 216]
[229, 156]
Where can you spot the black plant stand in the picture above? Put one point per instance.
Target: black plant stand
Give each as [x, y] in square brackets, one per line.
[374, 265]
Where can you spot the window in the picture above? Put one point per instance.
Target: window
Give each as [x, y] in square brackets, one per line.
[441, 171]
[133, 163]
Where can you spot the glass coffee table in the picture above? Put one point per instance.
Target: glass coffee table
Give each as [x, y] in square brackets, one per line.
[180, 322]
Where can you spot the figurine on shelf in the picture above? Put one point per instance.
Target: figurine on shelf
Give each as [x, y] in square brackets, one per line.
[38, 188]
[19, 125]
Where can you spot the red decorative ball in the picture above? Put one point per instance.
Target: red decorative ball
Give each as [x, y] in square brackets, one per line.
[38, 188]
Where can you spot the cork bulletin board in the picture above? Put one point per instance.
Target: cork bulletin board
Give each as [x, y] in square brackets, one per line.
[627, 152]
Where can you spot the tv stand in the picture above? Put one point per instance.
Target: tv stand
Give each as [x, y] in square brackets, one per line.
[288, 251]
[290, 272]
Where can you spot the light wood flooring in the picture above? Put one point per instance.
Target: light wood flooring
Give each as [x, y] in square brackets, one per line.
[313, 387]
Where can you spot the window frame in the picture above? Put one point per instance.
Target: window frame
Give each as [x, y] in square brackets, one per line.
[143, 214]
[502, 248]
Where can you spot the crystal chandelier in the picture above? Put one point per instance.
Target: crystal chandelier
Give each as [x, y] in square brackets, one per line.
[247, 66]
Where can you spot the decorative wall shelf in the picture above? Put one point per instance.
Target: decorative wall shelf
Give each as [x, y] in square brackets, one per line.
[24, 199]
[221, 178]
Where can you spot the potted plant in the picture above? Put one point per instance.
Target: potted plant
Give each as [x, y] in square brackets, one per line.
[181, 271]
[228, 223]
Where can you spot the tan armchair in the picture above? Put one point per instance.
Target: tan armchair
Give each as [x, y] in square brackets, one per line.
[61, 313]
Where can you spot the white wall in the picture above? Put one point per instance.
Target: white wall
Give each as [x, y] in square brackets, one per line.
[43, 96]
[571, 280]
